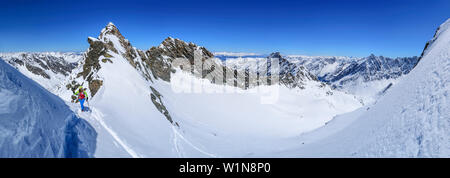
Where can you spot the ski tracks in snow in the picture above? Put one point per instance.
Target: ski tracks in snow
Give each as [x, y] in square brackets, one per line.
[178, 147]
[98, 116]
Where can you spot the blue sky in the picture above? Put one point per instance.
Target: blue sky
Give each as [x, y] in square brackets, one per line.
[313, 27]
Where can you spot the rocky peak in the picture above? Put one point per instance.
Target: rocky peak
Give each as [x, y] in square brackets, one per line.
[275, 55]
[292, 75]
[161, 57]
[169, 41]
[110, 29]
[175, 47]
[109, 41]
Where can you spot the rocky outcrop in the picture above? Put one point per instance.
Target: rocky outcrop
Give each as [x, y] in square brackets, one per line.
[256, 71]
[290, 74]
[425, 49]
[129, 52]
[204, 65]
[160, 58]
[37, 71]
[90, 66]
[157, 101]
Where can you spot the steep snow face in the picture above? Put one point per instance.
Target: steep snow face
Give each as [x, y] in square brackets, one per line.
[36, 123]
[411, 120]
[49, 69]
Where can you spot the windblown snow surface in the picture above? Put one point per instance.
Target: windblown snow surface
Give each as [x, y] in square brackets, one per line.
[36, 123]
[411, 120]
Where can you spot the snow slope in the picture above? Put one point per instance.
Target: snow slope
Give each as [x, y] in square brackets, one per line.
[411, 120]
[237, 124]
[36, 123]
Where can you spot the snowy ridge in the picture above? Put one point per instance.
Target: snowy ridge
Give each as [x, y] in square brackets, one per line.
[36, 123]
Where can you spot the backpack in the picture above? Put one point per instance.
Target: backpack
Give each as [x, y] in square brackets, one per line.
[81, 95]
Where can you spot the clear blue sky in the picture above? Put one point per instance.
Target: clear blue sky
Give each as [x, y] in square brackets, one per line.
[313, 27]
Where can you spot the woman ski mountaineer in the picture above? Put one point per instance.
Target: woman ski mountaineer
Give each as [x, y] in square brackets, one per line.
[82, 95]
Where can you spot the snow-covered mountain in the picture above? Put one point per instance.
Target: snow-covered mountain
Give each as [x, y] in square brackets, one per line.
[178, 100]
[36, 123]
[367, 78]
[49, 69]
[161, 57]
[411, 120]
